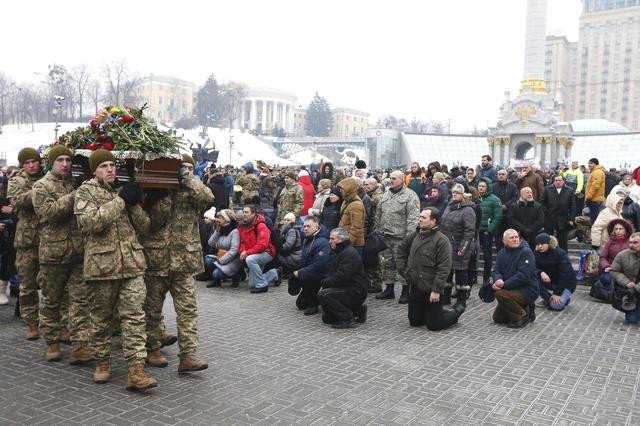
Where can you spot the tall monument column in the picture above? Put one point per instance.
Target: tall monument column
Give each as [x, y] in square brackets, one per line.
[534, 48]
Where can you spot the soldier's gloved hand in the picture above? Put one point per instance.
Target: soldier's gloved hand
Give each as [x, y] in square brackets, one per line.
[154, 194]
[131, 193]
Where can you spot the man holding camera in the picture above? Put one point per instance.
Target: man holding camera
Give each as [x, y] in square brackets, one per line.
[625, 270]
[27, 239]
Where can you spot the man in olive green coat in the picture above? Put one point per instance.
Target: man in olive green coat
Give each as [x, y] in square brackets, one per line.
[26, 240]
[291, 198]
[114, 265]
[60, 256]
[175, 253]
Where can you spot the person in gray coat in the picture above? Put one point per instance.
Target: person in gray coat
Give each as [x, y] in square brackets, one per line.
[290, 245]
[458, 224]
[225, 241]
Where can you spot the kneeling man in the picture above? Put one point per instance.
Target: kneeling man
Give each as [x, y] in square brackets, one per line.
[515, 282]
[345, 290]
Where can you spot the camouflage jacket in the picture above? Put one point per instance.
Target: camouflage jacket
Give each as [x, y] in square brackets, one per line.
[250, 185]
[291, 200]
[60, 239]
[19, 193]
[112, 250]
[397, 213]
[171, 237]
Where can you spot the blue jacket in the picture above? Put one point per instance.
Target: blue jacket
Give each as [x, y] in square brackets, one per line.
[489, 172]
[555, 263]
[517, 268]
[315, 257]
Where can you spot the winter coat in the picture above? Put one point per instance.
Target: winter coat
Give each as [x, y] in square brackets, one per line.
[397, 213]
[614, 245]
[229, 263]
[369, 213]
[318, 204]
[315, 256]
[308, 194]
[517, 268]
[290, 248]
[218, 187]
[599, 234]
[323, 175]
[250, 185]
[560, 208]
[533, 181]
[488, 172]
[631, 212]
[507, 192]
[112, 250]
[330, 216]
[625, 266]
[347, 270]
[595, 185]
[491, 209]
[255, 237]
[424, 260]
[60, 241]
[352, 213]
[526, 217]
[458, 224]
[439, 201]
[416, 184]
[154, 235]
[574, 179]
[20, 195]
[610, 182]
[290, 200]
[555, 263]
[633, 188]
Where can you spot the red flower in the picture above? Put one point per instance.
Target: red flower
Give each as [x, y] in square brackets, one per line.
[93, 146]
[108, 145]
[127, 118]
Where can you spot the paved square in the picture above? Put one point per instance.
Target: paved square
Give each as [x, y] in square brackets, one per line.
[269, 364]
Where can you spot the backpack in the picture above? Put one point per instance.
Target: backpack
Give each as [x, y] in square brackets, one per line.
[296, 245]
[588, 266]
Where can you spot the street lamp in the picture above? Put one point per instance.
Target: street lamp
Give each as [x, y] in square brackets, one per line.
[57, 101]
[230, 147]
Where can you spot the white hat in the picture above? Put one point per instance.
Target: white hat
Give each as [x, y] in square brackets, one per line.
[303, 173]
[210, 214]
[290, 216]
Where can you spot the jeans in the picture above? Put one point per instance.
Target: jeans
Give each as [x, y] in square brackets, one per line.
[606, 278]
[255, 263]
[594, 210]
[565, 297]
[486, 242]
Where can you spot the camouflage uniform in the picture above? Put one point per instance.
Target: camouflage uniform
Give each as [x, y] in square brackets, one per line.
[113, 267]
[26, 243]
[290, 201]
[374, 273]
[396, 217]
[174, 255]
[250, 185]
[60, 257]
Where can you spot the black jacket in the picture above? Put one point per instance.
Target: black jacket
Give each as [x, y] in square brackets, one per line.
[631, 212]
[527, 218]
[557, 265]
[330, 216]
[347, 269]
[506, 191]
[218, 186]
[560, 208]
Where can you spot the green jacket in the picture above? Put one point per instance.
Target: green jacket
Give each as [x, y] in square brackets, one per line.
[425, 262]
[290, 201]
[491, 209]
[112, 250]
[20, 195]
[60, 240]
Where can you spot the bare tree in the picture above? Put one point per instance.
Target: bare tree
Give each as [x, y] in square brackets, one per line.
[6, 89]
[232, 95]
[94, 93]
[80, 76]
[120, 82]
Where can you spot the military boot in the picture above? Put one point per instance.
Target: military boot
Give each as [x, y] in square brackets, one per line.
[138, 379]
[64, 336]
[404, 296]
[388, 293]
[102, 373]
[191, 363]
[80, 353]
[166, 339]
[156, 358]
[53, 352]
[32, 332]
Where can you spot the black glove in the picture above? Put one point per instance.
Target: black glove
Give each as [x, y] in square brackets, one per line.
[131, 193]
[153, 195]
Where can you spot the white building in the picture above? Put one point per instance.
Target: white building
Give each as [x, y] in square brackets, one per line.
[265, 109]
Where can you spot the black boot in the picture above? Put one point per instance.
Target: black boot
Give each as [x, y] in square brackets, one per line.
[446, 296]
[214, 283]
[388, 293]
[404, 296]
[532, 312]
[235, 280]
[461, 303]
[16, 311]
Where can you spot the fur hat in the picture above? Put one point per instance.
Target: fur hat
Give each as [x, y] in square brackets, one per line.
[360, 164]
[457, 188]
[186, 158]
[28, 154]
[290, 216]
[98, 157]
[56, 151]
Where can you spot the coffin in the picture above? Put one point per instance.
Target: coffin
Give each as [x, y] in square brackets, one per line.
[157, 171]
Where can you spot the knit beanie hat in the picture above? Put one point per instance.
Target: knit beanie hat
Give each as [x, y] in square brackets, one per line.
[324, 184]
[303, 173]
[186, 158]
[543, 238]
[290, 216]
[292, 175]
[98, 157]
[56, 152]
[210, 214]
[335, 190]
[28, 154]
[457, 188]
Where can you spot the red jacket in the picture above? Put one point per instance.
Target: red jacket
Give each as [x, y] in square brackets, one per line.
[309, 194]
[256, 237]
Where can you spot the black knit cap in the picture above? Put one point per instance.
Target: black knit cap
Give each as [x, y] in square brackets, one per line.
[28, 154]
[98, 157]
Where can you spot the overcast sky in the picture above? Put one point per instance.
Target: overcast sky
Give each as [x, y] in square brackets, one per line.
[428, 59]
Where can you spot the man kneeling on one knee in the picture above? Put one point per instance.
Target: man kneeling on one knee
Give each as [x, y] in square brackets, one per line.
[515, 282]
[556, 277]
[345, 290]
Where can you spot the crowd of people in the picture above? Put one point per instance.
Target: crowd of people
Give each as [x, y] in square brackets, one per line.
[104, 254]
